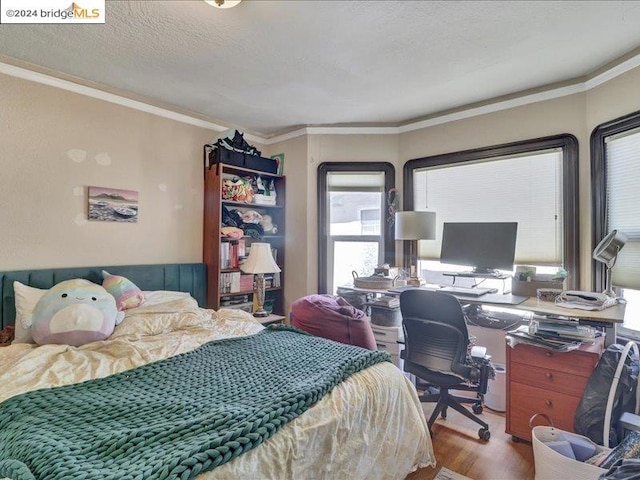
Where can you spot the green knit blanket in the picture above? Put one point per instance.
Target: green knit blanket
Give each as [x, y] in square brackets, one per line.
[174, 418]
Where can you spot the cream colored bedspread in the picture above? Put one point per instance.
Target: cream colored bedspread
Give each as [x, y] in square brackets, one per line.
[370, 426]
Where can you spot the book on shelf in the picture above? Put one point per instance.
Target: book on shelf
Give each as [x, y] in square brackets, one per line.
[246, 282]
[230, 282]
[232, 252]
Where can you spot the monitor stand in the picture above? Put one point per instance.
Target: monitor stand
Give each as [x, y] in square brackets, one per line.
[478, 274]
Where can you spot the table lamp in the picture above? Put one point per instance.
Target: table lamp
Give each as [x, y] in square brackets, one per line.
[259, 262]
[607, 253]
[415, 226]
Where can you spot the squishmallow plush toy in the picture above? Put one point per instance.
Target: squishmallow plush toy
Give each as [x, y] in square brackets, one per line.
[126, 293]
[74, 312]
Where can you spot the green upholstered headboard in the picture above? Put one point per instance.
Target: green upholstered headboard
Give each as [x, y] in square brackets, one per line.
[183, 277]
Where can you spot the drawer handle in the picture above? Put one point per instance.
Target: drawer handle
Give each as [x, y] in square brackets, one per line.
[377, 332]
[381, 345]
[549, 375]
[548, 403]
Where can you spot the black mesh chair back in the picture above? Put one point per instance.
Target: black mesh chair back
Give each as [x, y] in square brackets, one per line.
[435, 334]
[437, 352]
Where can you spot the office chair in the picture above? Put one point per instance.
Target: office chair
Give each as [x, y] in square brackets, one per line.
[436, 351]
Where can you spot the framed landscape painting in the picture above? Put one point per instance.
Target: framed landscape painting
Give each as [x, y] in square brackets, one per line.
[113, 205]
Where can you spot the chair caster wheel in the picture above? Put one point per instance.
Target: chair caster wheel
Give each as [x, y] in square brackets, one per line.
[484, 434]
[477, 408]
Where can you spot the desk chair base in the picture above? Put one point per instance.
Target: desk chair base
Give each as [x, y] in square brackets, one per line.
[445, 399]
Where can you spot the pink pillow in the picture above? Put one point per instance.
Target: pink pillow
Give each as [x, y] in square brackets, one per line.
[333, 318]
[126, 293]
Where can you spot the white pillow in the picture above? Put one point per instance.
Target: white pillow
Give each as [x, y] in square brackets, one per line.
[26, 299]
[155, 297]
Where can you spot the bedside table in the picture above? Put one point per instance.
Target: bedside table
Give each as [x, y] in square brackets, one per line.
[271, 319]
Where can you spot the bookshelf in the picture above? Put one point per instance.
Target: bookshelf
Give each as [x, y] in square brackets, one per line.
[227, 285]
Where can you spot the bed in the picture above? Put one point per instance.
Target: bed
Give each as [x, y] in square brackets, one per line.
[369, 424]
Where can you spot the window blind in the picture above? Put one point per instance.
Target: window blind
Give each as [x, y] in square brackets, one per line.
[623, 204]
[355, 180]
[526, 189]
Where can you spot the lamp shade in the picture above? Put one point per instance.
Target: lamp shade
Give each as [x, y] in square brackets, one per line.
[608, 248]
[415, 226]
[260, 260]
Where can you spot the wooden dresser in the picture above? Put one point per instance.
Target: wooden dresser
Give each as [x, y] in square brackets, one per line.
[544, 381]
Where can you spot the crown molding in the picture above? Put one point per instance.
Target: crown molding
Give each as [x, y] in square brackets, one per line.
[56, 82]
[526, 99]
[613, 72]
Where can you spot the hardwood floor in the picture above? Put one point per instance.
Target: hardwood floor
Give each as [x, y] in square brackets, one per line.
[458, 448]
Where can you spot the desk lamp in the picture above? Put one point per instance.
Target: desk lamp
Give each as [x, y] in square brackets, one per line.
[415, 226]
[607, 253]
[259, 262]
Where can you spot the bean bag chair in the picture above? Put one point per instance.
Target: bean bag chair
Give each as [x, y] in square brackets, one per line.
[332, 317]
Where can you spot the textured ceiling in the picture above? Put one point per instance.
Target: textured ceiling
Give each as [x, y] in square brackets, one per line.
[270, 66]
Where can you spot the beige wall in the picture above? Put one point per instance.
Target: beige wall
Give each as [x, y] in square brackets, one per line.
[577, 115]
[54, 144]
[303, 155]
[300, 244]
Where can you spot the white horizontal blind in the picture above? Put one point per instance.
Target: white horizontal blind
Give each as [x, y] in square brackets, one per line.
[525, 189]
[355, 180]
[623, 204]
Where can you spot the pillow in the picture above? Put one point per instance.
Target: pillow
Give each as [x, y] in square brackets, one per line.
[126, 293]
[74, 312]
[156, 297]
[26, 299]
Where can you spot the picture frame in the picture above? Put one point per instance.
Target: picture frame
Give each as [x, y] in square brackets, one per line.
[112, 205]
[279, 158]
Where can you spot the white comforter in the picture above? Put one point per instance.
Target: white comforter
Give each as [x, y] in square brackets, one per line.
[370, 426]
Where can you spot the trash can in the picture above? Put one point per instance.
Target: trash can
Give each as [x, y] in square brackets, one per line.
[496, 396]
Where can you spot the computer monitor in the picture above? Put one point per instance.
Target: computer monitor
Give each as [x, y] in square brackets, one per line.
[486, 247]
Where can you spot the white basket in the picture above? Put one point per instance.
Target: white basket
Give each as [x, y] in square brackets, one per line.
[551, 465]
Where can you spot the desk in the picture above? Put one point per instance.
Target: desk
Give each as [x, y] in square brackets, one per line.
[495, 299]
[545, 381]
[606, 319]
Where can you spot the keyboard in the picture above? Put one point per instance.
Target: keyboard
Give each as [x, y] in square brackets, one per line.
[468, 291]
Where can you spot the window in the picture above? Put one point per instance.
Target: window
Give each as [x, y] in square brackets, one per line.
[355, 230]
[533, 183]
[615, 181]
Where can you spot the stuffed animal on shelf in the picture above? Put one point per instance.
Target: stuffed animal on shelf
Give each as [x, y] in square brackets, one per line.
[268, 225]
